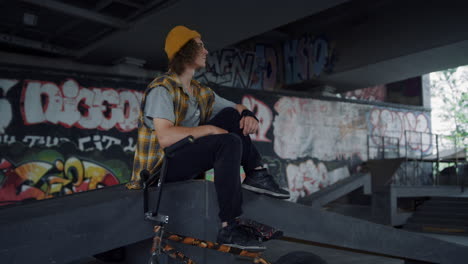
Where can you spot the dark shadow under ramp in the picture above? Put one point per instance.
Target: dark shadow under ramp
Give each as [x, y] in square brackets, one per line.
[383, 170]
[73, 227]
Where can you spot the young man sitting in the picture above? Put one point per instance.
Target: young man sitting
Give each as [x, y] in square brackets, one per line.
[175, 106]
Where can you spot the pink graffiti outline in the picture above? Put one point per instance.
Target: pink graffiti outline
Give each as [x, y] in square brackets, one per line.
[259, 137]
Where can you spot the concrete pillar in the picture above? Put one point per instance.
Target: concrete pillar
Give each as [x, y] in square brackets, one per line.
[426, 91]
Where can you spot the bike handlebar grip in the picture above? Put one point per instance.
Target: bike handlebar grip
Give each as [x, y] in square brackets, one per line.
[178, 145]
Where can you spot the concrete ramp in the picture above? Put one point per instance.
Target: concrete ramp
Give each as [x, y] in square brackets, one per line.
[73, 227]
[338, 189]
[331, 229]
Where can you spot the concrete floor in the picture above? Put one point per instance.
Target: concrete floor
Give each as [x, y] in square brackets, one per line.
[278, 248]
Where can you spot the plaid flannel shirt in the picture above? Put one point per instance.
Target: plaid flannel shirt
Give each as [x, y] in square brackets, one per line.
[149, 154]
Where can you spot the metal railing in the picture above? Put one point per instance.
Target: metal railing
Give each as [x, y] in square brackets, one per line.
[383, 147]
[430, 159]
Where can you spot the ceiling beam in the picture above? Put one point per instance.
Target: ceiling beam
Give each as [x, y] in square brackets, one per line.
[80, 12]
[130, 3]
[102, 4]
[149, 8]
[70, 25]
[33, 44]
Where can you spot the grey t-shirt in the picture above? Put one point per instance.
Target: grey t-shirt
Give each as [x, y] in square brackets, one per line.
[159, 104]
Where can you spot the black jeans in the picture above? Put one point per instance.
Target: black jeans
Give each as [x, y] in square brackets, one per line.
[225, 153]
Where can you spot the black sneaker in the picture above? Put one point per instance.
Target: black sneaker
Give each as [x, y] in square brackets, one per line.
[236, 236]
[260, 181]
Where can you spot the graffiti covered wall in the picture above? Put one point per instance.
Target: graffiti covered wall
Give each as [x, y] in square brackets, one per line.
[265, 67]
[406, 92]
[61, 133]
[309, 144]
[375, 93]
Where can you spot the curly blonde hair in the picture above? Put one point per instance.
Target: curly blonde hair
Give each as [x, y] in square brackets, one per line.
[186, 55]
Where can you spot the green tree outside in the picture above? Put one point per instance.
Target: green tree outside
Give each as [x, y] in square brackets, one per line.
[449, 99]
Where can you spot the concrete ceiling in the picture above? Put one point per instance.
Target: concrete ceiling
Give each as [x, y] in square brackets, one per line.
[221, 23]
[383, 41]
[379, 41]
[140, 34]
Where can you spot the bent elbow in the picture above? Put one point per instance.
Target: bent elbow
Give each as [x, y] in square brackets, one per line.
[164, 141]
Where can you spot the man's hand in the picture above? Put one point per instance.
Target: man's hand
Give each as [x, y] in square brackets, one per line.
[249, 125]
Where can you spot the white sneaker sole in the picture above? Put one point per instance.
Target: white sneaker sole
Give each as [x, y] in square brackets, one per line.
[263, 191]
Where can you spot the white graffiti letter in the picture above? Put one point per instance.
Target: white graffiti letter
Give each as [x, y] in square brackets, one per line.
[131, 145]
[34, 140]
[5, 107]
[32, 106]
[82, 142]
[70, 114]
[110, 141]
[8, 140]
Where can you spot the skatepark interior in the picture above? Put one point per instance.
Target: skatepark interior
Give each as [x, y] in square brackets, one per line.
[341, 89]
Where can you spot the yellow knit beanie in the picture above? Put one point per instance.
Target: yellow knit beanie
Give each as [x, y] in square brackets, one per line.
[177, 38]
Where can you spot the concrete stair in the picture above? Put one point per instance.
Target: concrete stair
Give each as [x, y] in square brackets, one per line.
[441, 215]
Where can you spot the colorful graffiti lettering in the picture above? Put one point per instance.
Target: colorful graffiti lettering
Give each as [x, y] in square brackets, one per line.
[232, 67]
[303, 59]
[265, 75]
[228, 67]
[70, 105]
[376, 94]
[243, 69]
[41, 179]
[306, 58]
[47, 144]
